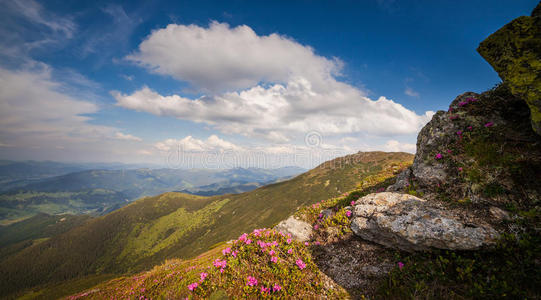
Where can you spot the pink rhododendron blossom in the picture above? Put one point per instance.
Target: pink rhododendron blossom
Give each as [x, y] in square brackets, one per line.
[352, 203]
[288, 241]
[218, 263]
[459, 132]
[203, 276]
[462, 103]
[348, 214]
[226, 251]
[439, 156]
[453, 117]
[274, 259]
[265, 290]
[460, 169]
[306, 243]
[400, 265]
[272, 252]
[248, 241]
[242, 238]
[489, 124]
[316, 227]
[449, 151]
[251, 281]
[193, 286]
[300, 264]
[289, 251]
[276, 288]
[320, 216]
[470, 128]
[235, 253]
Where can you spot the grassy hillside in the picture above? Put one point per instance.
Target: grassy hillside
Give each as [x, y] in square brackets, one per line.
[152, 229]
[20, 235]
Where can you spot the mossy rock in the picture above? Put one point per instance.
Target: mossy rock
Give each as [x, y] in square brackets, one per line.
[514, 51]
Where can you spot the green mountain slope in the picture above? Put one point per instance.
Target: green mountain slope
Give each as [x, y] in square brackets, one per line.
[152, 229]
[20, 235]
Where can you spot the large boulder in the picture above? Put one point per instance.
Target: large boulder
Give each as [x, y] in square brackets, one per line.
[409, 223]
[514, 51]
[299, 230]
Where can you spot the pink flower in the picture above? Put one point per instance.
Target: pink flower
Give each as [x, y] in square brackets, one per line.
[289, 251]
[218, 263]
[221, 270]
[251, 281]
[352, 203]
[348, 214]
[248, 241]
[489, 124]
[450, 109]
[381, 189]
[226, 251]
[235, 253]
[439, 156]
[400, 265]
[203, 276]
[264, 290]
[316, 227]
[274, 259]
[276, 288]
[459, 132]
[462, 103]
[300, 264]
[317, 243]
[193, 286]
[470, 128]
[471, 99]
[288, 241]
[460, 169]
[453, 117]
[272, 252]
[306, 243]
[320, 216]
[449, 151]
[242, 238]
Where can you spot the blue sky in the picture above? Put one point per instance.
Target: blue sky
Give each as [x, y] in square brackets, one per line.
[144, 81]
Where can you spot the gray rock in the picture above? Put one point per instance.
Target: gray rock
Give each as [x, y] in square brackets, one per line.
[499, 214]
[299, 230]
[326, 212]
[402, 181]
[409, 223]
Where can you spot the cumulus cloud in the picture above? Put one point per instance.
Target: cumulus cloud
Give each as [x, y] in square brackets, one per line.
[127, 137]
[396, 146]
[189, 143]
[282, 112]
[278, 88]
[223, 58]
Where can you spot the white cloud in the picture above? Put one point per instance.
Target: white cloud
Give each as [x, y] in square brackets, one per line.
[396, 146]
[285, 91]
[127, 137]
[280, 113]
[410, 92]
[33, 11]
[223, 58]
[191, 144]
[39, 120]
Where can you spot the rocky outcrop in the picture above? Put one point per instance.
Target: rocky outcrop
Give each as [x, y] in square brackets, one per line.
[409, 223]
[481, 151]
[299, 230]
[514, 52]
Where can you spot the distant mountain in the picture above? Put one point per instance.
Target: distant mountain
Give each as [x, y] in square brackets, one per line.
[102, 191]
[149, 230]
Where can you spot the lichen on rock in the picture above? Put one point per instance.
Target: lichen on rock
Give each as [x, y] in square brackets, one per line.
[408, 223]
[514, 51]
